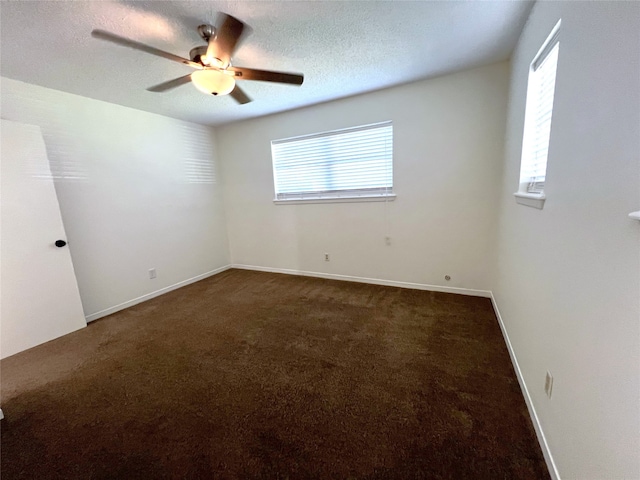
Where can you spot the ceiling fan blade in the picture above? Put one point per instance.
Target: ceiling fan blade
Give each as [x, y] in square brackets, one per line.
[164, 86]
[229, 31]
[125, 42]
[239, 95]
[242, 73]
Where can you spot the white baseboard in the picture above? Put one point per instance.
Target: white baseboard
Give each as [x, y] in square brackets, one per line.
[551, 465]
[374, 281]
[553, 471]
[149, 296]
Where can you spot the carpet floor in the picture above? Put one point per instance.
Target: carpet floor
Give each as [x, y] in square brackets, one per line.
[260, 375]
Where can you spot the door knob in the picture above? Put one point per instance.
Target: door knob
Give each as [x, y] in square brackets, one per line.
[60, 243]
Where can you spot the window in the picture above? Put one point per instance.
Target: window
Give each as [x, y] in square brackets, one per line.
[342, 165]
[538, 114]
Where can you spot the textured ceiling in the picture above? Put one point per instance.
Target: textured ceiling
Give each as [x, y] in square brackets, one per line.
[342, 47]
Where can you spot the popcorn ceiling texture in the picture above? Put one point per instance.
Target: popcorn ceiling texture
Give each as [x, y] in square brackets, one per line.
[343, 48]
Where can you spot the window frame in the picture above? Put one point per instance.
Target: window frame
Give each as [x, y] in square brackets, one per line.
[531, 192]
[373, 194]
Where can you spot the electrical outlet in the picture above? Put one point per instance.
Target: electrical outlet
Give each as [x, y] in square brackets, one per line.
[326, 257]
[387, 241]
[548, 384]
[152, 273]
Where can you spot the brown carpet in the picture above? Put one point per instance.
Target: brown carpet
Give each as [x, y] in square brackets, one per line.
[259, 375]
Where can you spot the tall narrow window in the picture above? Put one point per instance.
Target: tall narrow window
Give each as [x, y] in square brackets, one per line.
[538, 115]
[354, 163]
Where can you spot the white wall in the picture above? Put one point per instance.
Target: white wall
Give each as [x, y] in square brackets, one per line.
[448, 146]
[568, 279]
[136, 191]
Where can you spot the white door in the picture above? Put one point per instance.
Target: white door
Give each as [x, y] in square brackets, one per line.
[39, 297]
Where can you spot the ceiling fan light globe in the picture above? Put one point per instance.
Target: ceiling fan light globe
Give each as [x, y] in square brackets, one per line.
[213, 82]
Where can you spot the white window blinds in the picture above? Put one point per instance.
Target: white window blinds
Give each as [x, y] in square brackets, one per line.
[354, 162]
[540, 94]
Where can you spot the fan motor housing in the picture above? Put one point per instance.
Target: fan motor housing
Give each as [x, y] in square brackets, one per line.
[197, 52]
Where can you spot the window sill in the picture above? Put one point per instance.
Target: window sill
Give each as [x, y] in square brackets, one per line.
[354, 199]
[535, 200]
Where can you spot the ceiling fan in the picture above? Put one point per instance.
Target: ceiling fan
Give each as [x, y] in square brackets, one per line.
[214, 73]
